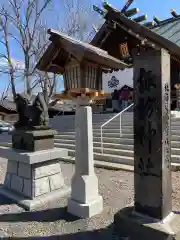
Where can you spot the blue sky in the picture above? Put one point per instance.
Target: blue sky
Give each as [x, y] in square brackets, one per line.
[160, 8]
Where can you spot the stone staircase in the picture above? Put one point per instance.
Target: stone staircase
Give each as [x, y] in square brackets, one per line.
[116, 149]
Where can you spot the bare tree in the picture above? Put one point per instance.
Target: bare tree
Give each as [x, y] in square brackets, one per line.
[79, 19]
[4, 31]
[21, 21]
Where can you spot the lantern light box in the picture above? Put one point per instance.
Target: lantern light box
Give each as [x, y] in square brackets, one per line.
[86, 75]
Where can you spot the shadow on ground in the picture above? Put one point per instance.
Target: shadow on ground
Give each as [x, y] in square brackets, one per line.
[49, 215]
[5, 201]
[100, 234]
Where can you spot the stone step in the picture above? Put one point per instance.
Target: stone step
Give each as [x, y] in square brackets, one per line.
[175, 137]
[122, 140]
[116, 131]
[115, 166]
[109, 158]
[127, 124]
[97, 139]
[120, 159]
[113, 137]
[103, 120]
[104, 130]
[175, 158]
[60, 128]
[112, 125]
[174, 144]
[71, 135]
[103, 164]
[60, 142]
[175, 151]
[122, 152]
[175, 127]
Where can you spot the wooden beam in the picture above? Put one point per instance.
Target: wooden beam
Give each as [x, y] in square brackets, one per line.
[173, 13]
[131, 12]
[142, 39]
[156, 19]
[127, 5]
[140, 18]
[160, 42]
[149, 24]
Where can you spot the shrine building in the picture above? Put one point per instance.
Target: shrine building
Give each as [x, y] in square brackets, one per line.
[122, 32]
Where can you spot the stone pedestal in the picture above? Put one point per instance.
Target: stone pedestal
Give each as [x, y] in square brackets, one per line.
[33, 140]
[85, 200]
[152, 149]
[32, 179]
[132, 226]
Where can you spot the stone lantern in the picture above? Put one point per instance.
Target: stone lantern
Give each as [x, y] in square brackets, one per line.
[82, 65]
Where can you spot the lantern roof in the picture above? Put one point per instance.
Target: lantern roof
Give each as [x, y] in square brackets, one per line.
[64, 48]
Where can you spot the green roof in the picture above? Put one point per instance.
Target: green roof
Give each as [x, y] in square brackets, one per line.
[169, 29]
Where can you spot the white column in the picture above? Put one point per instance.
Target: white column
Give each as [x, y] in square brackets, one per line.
[85, 199]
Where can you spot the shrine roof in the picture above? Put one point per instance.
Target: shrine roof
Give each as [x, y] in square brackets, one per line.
[169, 29]
[164, 34]
[63, 48]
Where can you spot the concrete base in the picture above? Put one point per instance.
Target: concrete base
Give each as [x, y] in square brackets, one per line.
[34, 204]
[32, 178]
[132, 226]
[85, 210]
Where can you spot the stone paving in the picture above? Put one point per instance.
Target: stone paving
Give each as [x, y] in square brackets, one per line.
[116, 188]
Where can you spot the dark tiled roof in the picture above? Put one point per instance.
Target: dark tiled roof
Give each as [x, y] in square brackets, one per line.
[169, 29]
[9, 105]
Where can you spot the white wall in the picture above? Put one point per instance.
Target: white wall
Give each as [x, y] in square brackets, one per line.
[121, 78]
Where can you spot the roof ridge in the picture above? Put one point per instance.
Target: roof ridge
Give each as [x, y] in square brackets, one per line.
[163, 22]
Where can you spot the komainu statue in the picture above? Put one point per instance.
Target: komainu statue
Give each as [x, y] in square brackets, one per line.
[32, 115]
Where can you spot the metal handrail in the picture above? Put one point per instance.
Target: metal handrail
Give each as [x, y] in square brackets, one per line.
[59, 113]
[119, 114]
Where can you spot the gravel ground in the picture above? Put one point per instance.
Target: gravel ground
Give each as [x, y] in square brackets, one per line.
[116, 187]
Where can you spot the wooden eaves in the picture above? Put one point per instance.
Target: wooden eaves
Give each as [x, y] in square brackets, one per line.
[64, 48]
[144, 34]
